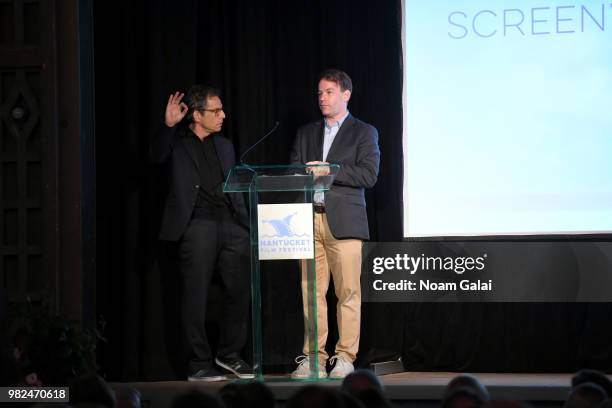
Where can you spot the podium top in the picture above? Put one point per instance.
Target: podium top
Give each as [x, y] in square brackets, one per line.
[278, 178]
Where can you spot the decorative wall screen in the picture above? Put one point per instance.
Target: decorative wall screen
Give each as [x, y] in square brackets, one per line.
[28, 153]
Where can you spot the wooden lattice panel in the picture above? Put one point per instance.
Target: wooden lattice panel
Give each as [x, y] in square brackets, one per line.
[23, 220]
[20, 171]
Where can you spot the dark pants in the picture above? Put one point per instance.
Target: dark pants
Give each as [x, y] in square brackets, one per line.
[209, 244]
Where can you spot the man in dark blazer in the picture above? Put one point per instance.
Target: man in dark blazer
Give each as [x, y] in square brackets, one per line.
[211, 227]
[341, 221]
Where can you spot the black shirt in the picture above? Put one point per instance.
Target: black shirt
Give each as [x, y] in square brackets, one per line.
[210, 193]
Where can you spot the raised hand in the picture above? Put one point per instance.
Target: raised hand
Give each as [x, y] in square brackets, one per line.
[175, 110]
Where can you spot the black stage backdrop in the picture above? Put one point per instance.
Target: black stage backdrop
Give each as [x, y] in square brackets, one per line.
[265, 56]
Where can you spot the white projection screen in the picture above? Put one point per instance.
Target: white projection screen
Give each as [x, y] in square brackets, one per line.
[507, 117]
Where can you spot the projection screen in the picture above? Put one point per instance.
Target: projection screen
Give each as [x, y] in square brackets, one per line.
[507, 118]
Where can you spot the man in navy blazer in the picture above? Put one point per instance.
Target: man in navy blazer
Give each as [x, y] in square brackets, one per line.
[211, 228]
[340, 220]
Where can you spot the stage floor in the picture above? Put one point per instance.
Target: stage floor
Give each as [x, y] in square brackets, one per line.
[407, 389]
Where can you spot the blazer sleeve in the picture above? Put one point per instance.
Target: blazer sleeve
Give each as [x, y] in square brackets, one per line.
[364, 172]
[162, 143]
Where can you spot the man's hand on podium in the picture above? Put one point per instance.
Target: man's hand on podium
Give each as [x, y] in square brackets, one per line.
[318, 171]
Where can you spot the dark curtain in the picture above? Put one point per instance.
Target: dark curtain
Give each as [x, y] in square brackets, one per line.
[265, 56]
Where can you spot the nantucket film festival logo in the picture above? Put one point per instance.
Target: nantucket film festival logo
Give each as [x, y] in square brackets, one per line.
[285, 231]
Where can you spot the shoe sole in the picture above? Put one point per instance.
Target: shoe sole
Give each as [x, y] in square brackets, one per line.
[236, 373]
[337, 377]
[303, 377]
[208, 379]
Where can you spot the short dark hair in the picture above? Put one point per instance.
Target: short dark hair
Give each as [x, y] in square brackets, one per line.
[339, 77]
[585, 395]
[197, 98]
[315, 396]
[595, 377]
[458, 396]
[468, 381]
[194, 398]
[360, 380]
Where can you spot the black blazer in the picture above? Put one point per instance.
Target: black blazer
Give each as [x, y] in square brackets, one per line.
[168, 146]
[355, 149]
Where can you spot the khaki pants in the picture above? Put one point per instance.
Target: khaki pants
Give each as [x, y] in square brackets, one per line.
[343, 258]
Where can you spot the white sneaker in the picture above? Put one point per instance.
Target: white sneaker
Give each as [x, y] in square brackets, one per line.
[342, 368]
[303, 368]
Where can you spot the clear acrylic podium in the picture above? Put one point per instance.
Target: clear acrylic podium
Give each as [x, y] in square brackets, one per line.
[258, 179]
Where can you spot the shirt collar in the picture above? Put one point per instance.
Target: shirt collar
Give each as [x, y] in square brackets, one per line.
[338, 123]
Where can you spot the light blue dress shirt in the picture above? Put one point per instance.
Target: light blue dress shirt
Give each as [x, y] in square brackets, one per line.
[330, 130]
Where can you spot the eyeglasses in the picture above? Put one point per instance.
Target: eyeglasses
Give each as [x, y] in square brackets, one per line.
[217, 111]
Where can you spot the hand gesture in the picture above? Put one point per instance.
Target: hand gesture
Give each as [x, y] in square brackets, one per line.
[175, 110]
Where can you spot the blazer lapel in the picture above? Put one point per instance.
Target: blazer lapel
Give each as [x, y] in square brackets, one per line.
[189, 147]
[318, 142]
[224, 160]
[348, 123]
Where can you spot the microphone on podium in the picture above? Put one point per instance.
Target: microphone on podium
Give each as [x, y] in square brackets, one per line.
[258, 142]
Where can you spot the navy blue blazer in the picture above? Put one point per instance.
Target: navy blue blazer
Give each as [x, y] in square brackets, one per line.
[355, 149]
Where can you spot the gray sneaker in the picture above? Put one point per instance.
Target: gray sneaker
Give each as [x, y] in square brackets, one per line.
[342, 367]
[303, 368]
